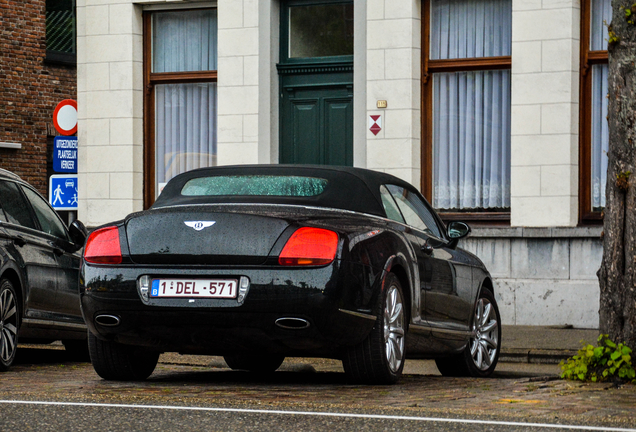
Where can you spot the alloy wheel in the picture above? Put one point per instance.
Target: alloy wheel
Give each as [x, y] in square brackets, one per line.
[484, 344]
[394, 328]
[8, 325]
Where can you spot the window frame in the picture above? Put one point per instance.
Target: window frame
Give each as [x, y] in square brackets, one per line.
[387, 199]
[588, 58]
[53, 216]
[284, 34]
[151, 80]
[61, 57]
[406, 203]
[27, 205]
[428, 68]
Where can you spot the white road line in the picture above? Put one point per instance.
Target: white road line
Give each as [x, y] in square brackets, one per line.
[321, 414]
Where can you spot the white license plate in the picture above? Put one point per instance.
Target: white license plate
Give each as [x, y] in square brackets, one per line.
[194, 288]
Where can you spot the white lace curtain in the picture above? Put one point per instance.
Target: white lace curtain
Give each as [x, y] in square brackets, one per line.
[601, 14]
[185, 114]
[600, 135]
[471, 110]
[601, 17]
[185, 128]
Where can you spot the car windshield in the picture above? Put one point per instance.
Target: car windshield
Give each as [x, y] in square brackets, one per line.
[255, 185]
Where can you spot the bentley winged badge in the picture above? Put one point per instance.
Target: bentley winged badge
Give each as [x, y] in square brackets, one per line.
[199, 225]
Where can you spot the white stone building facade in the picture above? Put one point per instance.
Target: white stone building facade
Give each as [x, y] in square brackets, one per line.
[543, 249]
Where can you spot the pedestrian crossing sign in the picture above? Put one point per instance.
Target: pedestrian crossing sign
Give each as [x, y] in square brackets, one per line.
[63, 191]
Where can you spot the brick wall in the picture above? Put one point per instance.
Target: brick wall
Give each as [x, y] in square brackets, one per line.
[30, 88]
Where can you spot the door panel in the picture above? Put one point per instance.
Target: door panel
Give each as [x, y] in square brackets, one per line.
[305, 117]
[316, 122]
[445, 291]
[446, 288]
[338, 121]
[38, 259]
[445, 299]
[31, 250]
[67, 298]
[55, 235]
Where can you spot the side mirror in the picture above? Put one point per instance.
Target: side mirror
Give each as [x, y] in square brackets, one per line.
[78, 233]
[457, 230]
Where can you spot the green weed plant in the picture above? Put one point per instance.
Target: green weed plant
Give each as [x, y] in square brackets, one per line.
[606, 362]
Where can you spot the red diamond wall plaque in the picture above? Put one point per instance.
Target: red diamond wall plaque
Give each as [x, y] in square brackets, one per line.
[375, 123]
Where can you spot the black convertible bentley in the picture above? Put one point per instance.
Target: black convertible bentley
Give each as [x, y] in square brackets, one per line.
[256, 263]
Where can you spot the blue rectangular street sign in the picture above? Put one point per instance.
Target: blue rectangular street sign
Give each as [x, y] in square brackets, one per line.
[63, 191]
[65, 154]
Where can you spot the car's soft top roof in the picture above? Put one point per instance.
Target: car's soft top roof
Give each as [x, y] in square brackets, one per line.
[348, 188]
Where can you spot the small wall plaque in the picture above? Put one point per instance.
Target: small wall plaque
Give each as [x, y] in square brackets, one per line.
[382, 104]
[375, 123]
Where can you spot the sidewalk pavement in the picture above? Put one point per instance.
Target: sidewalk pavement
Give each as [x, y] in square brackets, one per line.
[520, 344]
[542, 344]
[539, 345]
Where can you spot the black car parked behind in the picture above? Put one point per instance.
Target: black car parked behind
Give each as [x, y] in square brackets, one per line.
[39, 264]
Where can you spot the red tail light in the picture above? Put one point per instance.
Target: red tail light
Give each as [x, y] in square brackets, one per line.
[102, 246]
[309, 246]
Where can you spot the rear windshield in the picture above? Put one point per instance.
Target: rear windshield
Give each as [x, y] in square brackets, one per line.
[255, 185]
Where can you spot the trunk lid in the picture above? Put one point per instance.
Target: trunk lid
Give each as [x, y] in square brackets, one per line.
[201, 236]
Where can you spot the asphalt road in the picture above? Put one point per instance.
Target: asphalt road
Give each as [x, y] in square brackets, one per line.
[55, 416]
[47, 392]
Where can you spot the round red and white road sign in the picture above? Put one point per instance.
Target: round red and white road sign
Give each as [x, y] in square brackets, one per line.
[65, 117]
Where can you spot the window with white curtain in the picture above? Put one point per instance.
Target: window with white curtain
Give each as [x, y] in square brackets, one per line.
[600, 135]
[467, 85]
[601, 16]
[183, 98]
[596, 15]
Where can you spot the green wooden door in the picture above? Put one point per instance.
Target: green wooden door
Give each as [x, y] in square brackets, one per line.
[317, 125]
[316, 82]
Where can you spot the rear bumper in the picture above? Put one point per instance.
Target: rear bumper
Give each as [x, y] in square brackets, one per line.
[329, 299]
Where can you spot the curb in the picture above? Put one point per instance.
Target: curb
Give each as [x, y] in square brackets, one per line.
[536, 356]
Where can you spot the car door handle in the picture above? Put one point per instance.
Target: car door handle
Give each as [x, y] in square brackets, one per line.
[57, 250]
[427, 249]
[19, 240]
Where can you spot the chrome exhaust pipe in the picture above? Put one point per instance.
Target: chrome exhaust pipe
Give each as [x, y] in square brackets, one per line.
[107, 320]
[292, 323]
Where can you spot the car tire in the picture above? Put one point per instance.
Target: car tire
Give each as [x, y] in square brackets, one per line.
[379, 359]
[257, 363]
[116, 362]
[481, 354]
[9, 323]
[77, 350]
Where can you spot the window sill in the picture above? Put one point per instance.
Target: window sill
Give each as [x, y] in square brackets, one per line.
[592, 218]
[523, 232]
[478, 218]
[60, 58]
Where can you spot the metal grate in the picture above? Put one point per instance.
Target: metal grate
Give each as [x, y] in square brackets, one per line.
[60, 31]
